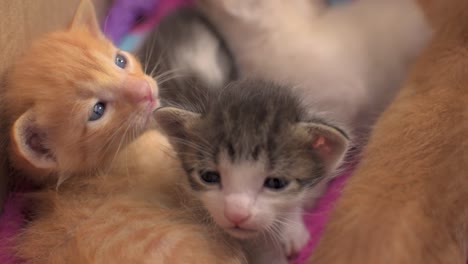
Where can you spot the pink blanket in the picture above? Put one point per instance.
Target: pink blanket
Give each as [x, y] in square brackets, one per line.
[10, 223]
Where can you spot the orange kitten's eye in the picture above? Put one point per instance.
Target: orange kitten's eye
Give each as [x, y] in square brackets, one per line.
[98, 111]
[120, 60]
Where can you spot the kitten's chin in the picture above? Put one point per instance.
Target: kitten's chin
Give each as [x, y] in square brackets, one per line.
[154, 104]
[148, 118]
[241, 233]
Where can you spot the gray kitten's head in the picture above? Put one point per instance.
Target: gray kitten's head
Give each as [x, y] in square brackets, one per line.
[252, 154]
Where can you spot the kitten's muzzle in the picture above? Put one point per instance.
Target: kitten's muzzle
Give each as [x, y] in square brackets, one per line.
[139, 90]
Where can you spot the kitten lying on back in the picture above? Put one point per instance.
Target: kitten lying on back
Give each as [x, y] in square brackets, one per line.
[254, 157]
[186, 46]
[73, 100]
[407, 201]
[348, 59]
[76, 105]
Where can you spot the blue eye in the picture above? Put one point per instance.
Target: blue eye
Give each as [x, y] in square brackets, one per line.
[121, 61]
[210, 177]
[98, 111]
[275, 183]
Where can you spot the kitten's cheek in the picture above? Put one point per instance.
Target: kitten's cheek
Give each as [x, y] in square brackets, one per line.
[215, 209]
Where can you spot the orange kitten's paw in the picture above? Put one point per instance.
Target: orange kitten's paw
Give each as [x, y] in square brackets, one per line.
[295, 237]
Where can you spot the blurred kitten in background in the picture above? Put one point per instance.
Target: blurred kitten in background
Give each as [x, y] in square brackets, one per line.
[185, 50]
[347, 60]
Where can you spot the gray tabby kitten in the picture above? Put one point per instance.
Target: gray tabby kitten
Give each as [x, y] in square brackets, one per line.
[253, 157]
[184, 49]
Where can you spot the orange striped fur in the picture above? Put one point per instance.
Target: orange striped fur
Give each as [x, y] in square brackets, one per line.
[135, 213]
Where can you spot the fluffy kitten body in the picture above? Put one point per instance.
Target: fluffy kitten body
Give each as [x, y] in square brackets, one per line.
[186, 46]
[346, 61]
[76, 105]
[254, 157]
[125, 216]
[407, 200]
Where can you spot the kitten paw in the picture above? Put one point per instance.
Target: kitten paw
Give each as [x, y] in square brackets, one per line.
[295, 238]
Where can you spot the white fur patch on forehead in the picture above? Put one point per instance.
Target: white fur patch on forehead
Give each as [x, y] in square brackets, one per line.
[243, 176]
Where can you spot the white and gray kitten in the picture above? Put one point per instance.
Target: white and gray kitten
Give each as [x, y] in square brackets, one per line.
[254, 158]
[346, 60]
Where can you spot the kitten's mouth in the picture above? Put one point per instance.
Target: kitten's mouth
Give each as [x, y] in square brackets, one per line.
[242, 233]
[154, 104]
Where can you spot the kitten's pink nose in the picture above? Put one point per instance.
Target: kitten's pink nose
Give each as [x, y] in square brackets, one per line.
[237, 209]
[138, 90]
[237, 218]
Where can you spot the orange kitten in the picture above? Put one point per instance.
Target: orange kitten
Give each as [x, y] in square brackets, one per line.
[76, 105]
[74, 99]
[407, 202]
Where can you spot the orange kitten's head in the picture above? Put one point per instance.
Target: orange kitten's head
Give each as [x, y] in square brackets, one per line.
[74, 100]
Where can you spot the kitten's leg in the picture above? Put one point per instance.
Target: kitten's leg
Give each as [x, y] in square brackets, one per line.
[295, 233]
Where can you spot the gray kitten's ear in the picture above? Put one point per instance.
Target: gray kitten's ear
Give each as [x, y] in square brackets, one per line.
[330, 143]
[175, 121]
[29, 141]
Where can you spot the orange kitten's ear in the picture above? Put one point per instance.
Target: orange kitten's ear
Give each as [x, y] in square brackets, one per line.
[85, 16]
[330, 143]
[30, 142]
[174, 122]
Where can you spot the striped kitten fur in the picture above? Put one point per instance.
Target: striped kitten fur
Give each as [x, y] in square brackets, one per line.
[253, 157]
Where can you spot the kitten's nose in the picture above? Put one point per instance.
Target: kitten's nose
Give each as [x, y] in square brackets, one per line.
[237, 209]
[237, 217]
[138, 90]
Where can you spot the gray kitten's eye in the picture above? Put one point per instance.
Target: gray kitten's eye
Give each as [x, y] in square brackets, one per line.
[210, 177]
[275, 183]
[98, 111]
[120, 60]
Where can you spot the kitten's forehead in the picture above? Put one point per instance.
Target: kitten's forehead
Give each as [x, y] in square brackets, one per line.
[243, 176]
[251, 120]
[254, 124]
[69, 65]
